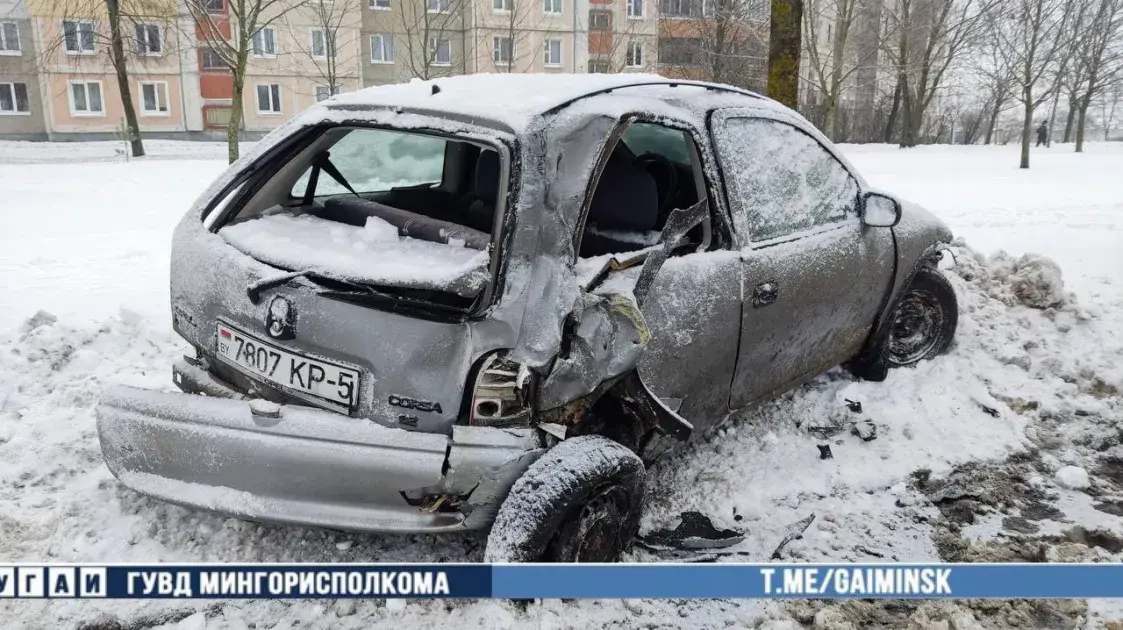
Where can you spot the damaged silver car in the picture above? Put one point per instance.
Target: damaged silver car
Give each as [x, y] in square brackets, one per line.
[490, 301]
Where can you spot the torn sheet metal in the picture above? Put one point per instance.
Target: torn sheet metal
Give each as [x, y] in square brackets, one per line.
[606, 339]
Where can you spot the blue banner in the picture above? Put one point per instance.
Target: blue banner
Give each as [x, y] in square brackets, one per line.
[540, 581]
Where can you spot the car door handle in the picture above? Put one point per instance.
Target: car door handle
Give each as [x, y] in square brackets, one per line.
[765, 293]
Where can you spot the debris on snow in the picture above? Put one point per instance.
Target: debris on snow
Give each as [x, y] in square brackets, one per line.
[1073, 477]
[825, 451]
[865, 430]
[794, 532]
[694, 531]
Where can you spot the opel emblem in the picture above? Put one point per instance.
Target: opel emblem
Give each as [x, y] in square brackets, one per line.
[280, 320]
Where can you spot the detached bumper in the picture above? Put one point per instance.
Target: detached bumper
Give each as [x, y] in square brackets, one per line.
[305, 466]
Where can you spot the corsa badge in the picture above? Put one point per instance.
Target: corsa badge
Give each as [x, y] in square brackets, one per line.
[280, 320]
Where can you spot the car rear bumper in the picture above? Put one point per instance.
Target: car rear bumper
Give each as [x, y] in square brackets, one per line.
[306, 466]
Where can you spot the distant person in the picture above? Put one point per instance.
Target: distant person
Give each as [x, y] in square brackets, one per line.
[1041, 133]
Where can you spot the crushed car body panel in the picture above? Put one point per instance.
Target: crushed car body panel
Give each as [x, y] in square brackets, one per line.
[304, 466]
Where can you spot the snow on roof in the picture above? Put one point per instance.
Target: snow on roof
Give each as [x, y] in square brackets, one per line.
[514, 99]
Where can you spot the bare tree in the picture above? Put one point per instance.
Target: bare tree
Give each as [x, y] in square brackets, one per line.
[931, 36]
[328, 47]
[831, 58]
[784, 46]
[232, 42]
[428, 27]
[1099, 52]
[997, 83]
[1029, 36]
[137, 32]
[733, 40]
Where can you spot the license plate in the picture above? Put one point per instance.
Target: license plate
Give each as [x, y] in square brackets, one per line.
[319, 381]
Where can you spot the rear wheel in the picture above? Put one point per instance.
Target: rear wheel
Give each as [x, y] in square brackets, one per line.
[923, 325]
[580, 502]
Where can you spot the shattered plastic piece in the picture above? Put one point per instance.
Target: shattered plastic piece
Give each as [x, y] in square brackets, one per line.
[825, 451]
[865, 430]
[989, 410]
[795, 532]
[694, 531]
[854, 405]
[554, 429]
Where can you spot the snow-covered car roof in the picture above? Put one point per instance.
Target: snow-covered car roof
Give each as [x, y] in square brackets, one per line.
[513, 100]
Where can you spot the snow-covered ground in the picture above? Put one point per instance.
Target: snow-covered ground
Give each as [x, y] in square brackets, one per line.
[964, 466]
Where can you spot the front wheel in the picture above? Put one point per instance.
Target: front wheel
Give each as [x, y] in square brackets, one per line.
[924, 322]
[580, 502]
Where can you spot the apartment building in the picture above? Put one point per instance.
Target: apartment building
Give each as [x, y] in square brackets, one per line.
[714, 40]
[21, 110]
[623, 35]
[77, 83]
[57, 80]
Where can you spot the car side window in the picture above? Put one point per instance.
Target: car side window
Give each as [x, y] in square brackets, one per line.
[782, 178]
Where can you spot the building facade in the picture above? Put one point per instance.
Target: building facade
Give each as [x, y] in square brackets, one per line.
[21, 102]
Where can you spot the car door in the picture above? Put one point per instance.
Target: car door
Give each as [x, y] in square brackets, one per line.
[693, 307]
[813, 275]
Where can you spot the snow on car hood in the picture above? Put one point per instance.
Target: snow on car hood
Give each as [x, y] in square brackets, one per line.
[374, 253]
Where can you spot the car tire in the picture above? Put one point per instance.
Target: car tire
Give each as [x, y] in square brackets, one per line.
[924, 321]
[580, 502]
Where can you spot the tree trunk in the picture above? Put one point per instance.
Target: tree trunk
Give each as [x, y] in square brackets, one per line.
[993, 120]
[909, 125]
[783, 51]
[1068, 122]
[893, 109]
[1082, 117]
[235, 126]
[120, 65]
[1027, 127]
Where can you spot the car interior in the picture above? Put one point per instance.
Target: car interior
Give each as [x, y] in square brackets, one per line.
[651, 171]
[335, 179]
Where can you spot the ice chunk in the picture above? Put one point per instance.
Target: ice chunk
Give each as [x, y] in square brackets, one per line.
[1037, 282]
[1073, 477]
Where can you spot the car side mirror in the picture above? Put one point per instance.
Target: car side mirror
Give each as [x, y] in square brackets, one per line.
[880, 210]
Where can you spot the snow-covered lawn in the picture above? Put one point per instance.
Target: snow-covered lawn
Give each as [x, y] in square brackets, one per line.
[88, 241]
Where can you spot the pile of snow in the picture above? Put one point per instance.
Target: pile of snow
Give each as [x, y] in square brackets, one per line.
[374, 253]
[1033, 280]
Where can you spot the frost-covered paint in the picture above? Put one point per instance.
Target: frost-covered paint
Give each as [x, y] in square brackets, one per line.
[699, 346]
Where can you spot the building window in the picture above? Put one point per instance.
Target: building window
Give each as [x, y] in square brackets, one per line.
[552, 6]
[440, 52]
[9, 38]
[78, 36]
[502, 6]
[380, 5]
[502, 50]
[552, 55]
[323, 92]
[148, 41]
[210, 60]
[323, 44]
[154, 98]
[269, 98]
[635, 54]
[598, 66]
[600, 20]
[265, 43]
[382, 49]
[686, 8]
[437, 6]
[85, 98]
[679, 51]
[214, 6]
[635, 9]
[13, 98]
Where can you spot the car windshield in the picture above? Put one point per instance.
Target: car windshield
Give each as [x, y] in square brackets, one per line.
[392, 208]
